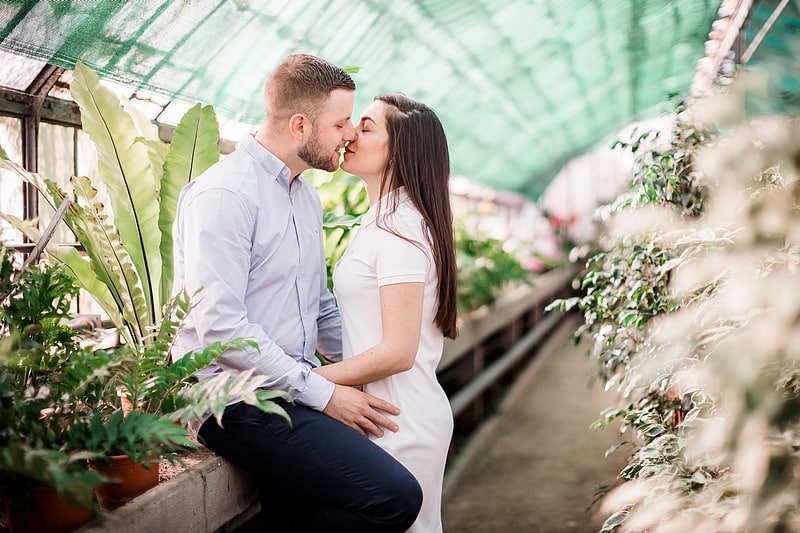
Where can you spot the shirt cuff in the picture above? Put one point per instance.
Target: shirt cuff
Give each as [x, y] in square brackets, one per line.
[317, 392]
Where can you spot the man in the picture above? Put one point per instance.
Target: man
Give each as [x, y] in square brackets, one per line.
[248, 232]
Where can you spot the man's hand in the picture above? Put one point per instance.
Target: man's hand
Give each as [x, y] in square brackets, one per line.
[360, 411]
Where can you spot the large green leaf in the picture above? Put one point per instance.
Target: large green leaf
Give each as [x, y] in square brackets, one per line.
[88, 279]
[110, 259]
[124, 164]
[111, 277]
[148, 135]
[193, 150]
[99, 279]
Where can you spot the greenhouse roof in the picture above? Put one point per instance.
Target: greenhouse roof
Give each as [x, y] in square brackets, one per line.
[521, 86]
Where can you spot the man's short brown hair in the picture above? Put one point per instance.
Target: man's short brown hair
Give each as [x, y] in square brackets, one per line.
[301, 84]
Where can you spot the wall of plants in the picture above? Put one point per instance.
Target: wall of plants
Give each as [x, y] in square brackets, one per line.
[690, 310]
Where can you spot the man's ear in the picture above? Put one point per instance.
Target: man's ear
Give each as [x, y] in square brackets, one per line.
[299, 126]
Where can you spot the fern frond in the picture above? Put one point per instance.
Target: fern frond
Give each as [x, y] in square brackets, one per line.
[138, 435]
[109, 256]
[87, 374]
[214, 394]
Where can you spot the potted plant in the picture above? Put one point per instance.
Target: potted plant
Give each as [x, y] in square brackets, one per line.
[129, 448]
[59, 405]
[45, 376]
[151, 395]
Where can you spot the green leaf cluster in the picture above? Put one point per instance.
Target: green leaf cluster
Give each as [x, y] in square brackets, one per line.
[692, 321]
[127, 263]
[138, 435]
[47, 382]
[625, 292]
[61, 402]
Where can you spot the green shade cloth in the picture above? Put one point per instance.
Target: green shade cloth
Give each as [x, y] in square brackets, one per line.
[778, 56]
[521, 86]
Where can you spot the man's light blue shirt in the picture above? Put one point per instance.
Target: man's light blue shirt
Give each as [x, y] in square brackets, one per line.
[253, 244]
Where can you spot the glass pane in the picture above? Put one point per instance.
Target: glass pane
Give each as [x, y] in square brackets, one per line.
[11, 201]
[18, 71]
[56, 162]
[87, 156]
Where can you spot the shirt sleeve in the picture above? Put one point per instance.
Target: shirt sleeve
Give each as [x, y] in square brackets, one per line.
[217, 241]
[401, 253]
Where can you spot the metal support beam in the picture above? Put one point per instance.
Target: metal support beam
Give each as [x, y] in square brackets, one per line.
[763, 32]
[27, 105]
[44, 81]
[30, 161]
[53, 110]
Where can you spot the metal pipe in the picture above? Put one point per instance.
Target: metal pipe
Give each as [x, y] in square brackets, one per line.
[464, 397]
[48, 233]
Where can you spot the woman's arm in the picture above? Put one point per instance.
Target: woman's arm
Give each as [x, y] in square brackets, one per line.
[401, 320]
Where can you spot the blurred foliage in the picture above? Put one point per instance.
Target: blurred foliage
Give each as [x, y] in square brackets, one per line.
[344, 200]
[485, 271]
[692, 312]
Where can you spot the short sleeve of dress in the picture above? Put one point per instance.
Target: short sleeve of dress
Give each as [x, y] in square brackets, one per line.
[398, 259]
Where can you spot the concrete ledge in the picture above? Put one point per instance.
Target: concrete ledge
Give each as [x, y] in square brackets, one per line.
[212, 496]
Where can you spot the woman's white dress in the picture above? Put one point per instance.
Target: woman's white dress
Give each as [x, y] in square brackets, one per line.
[377, 257]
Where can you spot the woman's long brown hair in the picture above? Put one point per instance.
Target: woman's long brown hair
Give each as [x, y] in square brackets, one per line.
[419, 160]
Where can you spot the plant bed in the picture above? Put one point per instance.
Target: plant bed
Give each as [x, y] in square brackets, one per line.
[187, 460]
[206, 493]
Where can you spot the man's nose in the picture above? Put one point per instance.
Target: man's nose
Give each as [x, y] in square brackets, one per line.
[349, 132]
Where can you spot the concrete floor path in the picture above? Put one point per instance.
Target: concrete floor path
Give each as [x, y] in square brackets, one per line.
[537, 465]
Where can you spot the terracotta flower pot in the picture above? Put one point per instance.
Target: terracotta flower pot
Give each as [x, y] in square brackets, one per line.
[133, 479]
[44, 512]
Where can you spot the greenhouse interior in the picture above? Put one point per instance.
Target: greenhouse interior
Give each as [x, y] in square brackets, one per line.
[572, 228]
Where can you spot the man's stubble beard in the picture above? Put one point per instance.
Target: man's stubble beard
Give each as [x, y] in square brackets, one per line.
[313, 154]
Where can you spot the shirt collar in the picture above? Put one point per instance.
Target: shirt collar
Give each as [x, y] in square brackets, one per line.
[391, 199]
[270, 163]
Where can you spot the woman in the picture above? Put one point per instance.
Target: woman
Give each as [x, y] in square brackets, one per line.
[396, 286]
